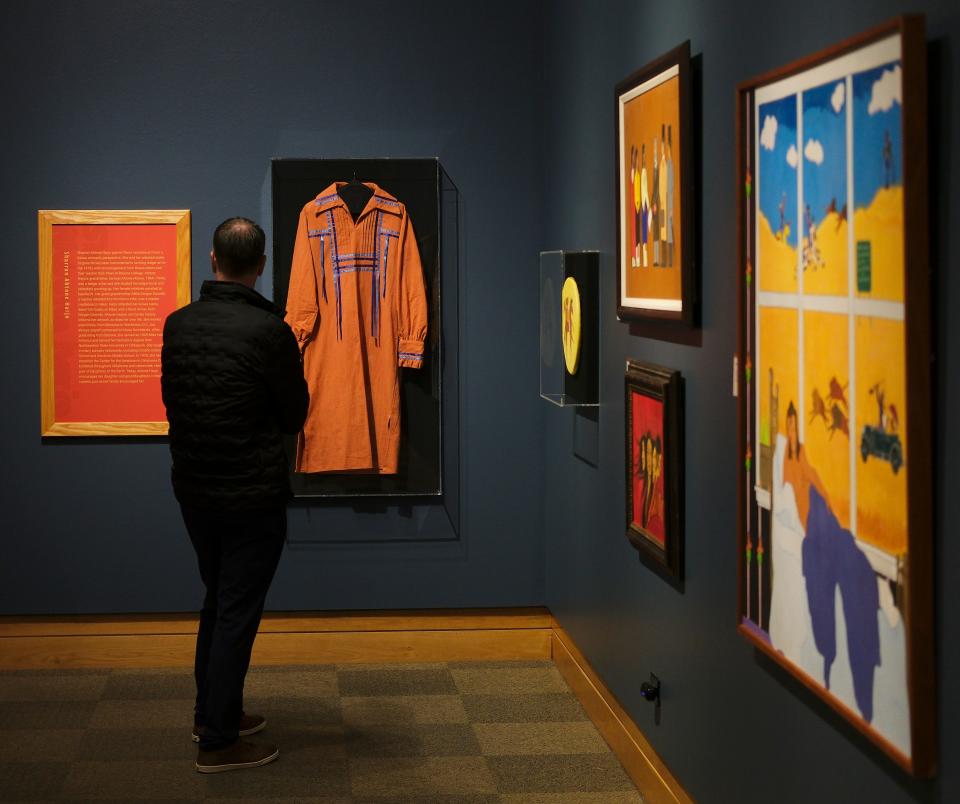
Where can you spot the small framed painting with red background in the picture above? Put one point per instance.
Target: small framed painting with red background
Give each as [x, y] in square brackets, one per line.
[654, 466]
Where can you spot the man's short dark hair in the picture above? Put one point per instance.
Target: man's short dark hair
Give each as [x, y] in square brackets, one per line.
[238, 245]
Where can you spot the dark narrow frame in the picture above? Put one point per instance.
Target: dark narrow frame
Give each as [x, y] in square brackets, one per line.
[665, 385]
[918, 583]
[686, 318]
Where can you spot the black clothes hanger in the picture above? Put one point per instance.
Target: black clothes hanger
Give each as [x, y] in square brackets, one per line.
[355, 195]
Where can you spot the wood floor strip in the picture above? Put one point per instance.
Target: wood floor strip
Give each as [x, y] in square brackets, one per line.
[279, 622]
[284, 640]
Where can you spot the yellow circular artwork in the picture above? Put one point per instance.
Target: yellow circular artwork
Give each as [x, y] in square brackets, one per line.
[570, 304]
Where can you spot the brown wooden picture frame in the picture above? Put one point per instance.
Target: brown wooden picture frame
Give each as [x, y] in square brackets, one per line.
[671, 312]
[913, 585]
[179, 220]
[664, 387]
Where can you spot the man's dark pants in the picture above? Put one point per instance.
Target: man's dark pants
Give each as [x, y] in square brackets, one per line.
[238, 553]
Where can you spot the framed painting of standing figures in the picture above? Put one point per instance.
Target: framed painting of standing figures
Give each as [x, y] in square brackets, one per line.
[655, 249]
[654, 463]
[836, 542]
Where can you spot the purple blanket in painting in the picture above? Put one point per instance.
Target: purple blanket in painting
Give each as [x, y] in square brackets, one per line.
[831, 558]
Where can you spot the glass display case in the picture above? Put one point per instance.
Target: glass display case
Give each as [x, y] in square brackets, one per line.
[570, 328]
[429, 457]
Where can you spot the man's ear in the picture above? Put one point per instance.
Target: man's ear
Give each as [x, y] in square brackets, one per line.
[213, 261]
[263, 262]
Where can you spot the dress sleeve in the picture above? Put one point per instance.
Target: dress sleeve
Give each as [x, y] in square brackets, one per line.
[413, 301]
[302, 304]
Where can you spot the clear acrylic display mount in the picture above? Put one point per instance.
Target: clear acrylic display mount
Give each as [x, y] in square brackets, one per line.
[557, 385]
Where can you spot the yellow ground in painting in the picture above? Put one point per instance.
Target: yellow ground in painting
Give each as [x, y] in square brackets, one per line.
[829, 276]
[778, 351]
[882, 224]
[881, 494]
[777, 266]
[826, 349]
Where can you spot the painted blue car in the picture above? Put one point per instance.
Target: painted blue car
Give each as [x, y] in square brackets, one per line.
[882, 445]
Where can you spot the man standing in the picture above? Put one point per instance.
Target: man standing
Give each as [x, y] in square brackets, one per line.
[232, 384]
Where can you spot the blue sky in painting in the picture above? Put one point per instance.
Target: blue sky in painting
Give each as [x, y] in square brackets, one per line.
[876, 111]
[778, 163]
[825, 148]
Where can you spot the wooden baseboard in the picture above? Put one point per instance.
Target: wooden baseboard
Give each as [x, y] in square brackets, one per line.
[169, 640]
[284, 638]
[649, 773]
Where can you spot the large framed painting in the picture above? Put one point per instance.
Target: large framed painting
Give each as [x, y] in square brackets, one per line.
[108, 280]
[835, 579]
[654, 463]
[655, 204]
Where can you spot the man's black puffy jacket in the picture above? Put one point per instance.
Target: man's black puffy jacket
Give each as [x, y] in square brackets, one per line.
[232, 384]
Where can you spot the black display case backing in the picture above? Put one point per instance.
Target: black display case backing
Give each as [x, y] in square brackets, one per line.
[429, 408]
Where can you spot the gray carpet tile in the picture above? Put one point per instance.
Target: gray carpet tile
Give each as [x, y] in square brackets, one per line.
[301, 684]
[421, 776]
[297, 711]
[512, 664]
[359, 667]
[51, 687]
[147, 744]
[28, 745]
[174, 670]
[305, 744]
[609, 797]
[145, 798]
[297, 772]
[533, 708]
[32, 781]
[559, 774]
[396, 680]
[143, 714]
[518, 739]
[128, 781]
[148, 686]
[311, 799]
[480, 680]
[55, 714]
[431, 799]
[412, 740]
[429, 733]
[257, 669]
[388, 709]
[56, 672]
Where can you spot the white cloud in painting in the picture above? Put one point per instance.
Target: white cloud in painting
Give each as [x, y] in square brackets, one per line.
[838, 97]
[792, 156]
[768, 136]
[814, 152]
[886, 91]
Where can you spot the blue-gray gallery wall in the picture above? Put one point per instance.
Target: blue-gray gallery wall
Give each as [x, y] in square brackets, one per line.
[734, 728]
[178, 104]
[182, 104]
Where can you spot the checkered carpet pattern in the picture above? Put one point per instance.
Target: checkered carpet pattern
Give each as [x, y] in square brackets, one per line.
[443, 733]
